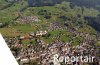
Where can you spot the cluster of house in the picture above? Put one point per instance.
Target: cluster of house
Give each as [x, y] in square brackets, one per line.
[33, 35]
[43, 54]
[27, 19]
[56, 26]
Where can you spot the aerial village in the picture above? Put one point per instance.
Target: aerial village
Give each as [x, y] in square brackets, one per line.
[37, 30]
[42, 53]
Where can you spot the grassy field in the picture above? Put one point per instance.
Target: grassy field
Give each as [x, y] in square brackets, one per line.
[10, 32]
[25, 28]
[17, 30]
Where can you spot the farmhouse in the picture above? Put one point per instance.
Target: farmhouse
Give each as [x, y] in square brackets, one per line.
[1, 24]
[25, 37]
[40, 33]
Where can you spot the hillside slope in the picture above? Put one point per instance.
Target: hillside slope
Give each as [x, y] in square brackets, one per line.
[11, 10]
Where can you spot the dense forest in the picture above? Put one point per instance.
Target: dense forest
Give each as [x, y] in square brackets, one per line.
[44, 2]
[87, 3]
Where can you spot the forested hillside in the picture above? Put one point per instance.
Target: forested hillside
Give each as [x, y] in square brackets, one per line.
[44, 2]
[87, 3]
